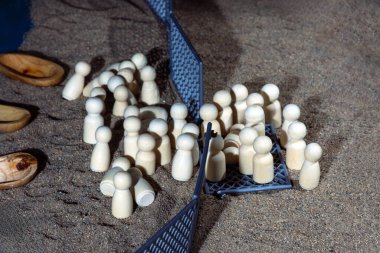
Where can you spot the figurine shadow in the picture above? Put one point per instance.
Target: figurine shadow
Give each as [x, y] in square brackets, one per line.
[209, 213]
[117, 136]
[216, 70]
[96, 63]
[34, 110]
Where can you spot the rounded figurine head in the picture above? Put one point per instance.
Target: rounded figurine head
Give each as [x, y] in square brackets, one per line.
[122, 180]
[255, 99]
[313, 152]
[270, 92]
[297, 130]
[103, 134]
[208, 112]
[114, 66]
[131, 110]
[146, 142]
[94, 105]
[98, 92]
[121, 93]
[127, 73]
[178, 111]
[254, 114]
[291, 112]
[248, 135]
[216, 144]
[185, 142]
[127, 64]
[121, 162]
[139, 60]
[147, 74]
[132, 124]
[114, 82]
[262, 145]
[158, 126]
[105, 76]
[239, 92]
[222, 98]
[82, 68]
[191, 128]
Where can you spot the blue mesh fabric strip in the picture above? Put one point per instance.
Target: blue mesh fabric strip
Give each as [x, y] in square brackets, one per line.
[185, 68]
[175, 236]
[162, 8]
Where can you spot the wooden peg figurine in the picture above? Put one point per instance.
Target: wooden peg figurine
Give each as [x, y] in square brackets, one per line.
[122, 200]
[310, 171]
[263, 170]
[295, 148]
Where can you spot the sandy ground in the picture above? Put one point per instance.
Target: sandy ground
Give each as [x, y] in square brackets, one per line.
[325, 57]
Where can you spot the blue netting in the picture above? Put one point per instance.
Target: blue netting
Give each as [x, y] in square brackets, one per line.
[185, 68]
[235, 182]
[162, 8]
[176, 235]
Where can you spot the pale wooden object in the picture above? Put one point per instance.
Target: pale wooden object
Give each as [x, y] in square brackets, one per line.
[239, 95]
[272, 106]
[132, 126]
[216, 162]
[91, 85]
[263, 170]
[232, 144]
[255, 117]
[121, 95]
[31, 69]
[17, 169]
[150, 94]
[209, 113]
[295, 148]
[246, 152]
[74, 86]
[114, 82]
[122, 200]
[182, 165]
[140, 60]
[223, 101]
[311, 172]
[101, 155]
[178, 113]
[151, 112]
[290, 113]
[93, 119]
[104, 77]
[131, 82]
[255, 99]
[106, 185]
[145, 157]
[98, 92]
[193, 129]
[13, 118]
[142, 192]
[158, 128]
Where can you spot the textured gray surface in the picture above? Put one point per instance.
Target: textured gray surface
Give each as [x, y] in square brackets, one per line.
[325, 57]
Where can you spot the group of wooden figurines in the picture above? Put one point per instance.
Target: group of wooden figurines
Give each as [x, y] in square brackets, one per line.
[152, 138]
[239, 120]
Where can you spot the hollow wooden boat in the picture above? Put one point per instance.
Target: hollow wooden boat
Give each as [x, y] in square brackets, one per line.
[31, 69]
[13, 118]
[16, 169]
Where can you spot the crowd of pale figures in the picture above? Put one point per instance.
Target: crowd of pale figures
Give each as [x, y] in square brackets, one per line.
[151, 137]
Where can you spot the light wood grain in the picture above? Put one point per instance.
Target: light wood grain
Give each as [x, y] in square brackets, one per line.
[31, 69]
[17, 169]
